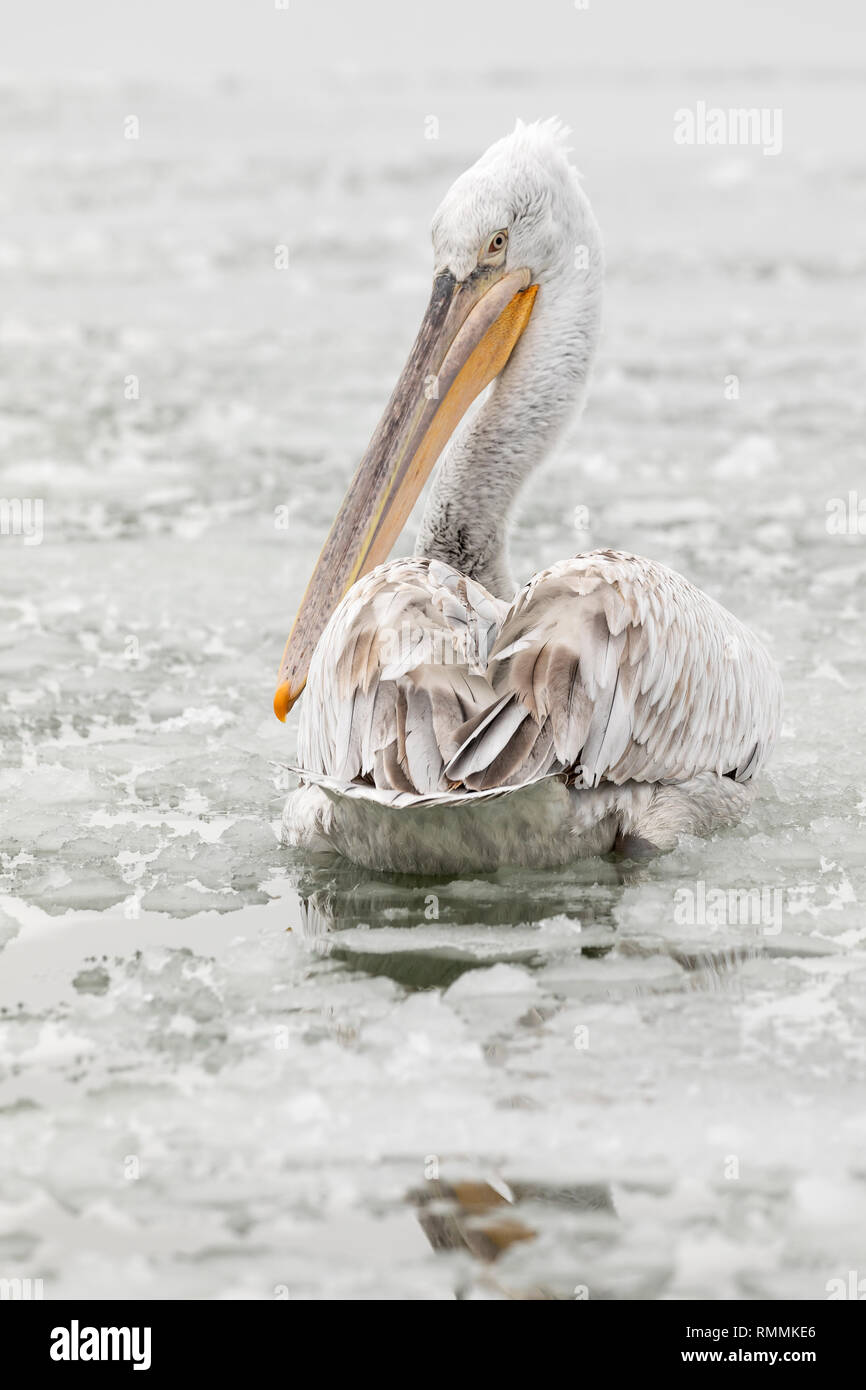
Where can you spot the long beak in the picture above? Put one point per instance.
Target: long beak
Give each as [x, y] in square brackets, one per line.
[465, 339]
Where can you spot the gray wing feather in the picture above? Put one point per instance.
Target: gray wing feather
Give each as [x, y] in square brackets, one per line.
[633, 673]
[398, 672]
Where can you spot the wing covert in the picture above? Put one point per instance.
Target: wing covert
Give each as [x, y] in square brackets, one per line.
[617, 669]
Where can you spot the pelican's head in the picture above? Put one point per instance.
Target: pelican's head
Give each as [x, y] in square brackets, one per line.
[509, 229]
[525, 188]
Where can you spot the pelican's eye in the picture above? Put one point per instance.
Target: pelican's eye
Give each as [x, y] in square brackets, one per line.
[493, 253]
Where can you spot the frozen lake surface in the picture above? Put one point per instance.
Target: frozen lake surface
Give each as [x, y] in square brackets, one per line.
[227, 1073]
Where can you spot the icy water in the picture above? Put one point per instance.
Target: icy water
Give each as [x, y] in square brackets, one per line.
[228, 1073]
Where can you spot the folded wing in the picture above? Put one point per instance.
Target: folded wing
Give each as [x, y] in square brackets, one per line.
[400, 668]
[613, 668]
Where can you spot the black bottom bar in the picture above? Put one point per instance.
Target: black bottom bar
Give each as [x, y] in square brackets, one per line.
[163, 1339]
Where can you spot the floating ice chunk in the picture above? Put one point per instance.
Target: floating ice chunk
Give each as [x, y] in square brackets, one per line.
[493, 980]
[9, 928]
[82, 890]
[57, 1042]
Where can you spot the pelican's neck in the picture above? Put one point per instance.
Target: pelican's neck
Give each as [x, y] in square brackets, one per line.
[466, 518]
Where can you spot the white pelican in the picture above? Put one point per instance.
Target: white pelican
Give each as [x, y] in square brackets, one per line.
[451, 723]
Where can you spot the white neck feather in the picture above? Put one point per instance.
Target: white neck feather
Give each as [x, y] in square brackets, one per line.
[467, 515]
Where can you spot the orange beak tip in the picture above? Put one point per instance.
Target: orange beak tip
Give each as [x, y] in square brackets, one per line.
[283, 701]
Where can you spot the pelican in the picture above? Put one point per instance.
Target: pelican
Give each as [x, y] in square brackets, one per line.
[454, 721]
